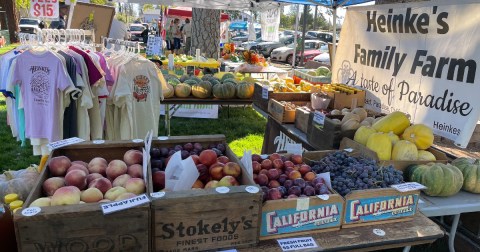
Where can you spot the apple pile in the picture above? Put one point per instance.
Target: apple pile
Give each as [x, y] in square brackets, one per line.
[97, 181]
[214, 167]
[282, 177]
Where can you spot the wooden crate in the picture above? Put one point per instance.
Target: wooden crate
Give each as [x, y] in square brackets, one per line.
[301, 119]
[329, 136]
[83, 227]
[281, 96]
[278, 111]
[204, 219]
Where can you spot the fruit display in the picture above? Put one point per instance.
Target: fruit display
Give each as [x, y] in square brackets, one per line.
[282, 177]
[384, 134]
[356, 173]
[441, 180]
[19, 182]
[339, 88]
[471, 173]
[75, 182]
[320, 72]
[214, 167]
[253, 58]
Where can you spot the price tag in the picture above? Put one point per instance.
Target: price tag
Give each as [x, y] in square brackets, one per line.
[222, 189]
[294, 148]
[252, 189]
[138, 140]
[116, 206]
[31, 211]
[162, 138]
[157, 194]
[378, 232]
[64, 142]
[303, 204]
[319, 118]
[410, 186]
[301, 243]
[44, 9]
[265, 92]
[324, 196]
[98, 141]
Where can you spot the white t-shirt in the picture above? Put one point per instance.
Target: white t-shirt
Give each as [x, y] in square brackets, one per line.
[187, 30]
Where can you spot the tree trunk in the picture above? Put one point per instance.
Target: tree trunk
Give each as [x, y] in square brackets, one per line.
[12, 18]
[397, 1]
[206, 31]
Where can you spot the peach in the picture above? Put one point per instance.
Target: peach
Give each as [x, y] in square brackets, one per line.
[135, 185]
[78, 167]
[232, 169]
[296, 159]
[125, 196]
[133, 157]
[116, 168]
[102, 184]
[79, 162]
[309, 176]
[92, 176]
[304, 169]
[228, 181]
[76, 178]
[208, 157]
[50, 185]
[41, 202]
[67, 195]
[135, 171]
[211, 184]
[223, 159]
[98, 165]
[198, 184]
[90, 195]
[114, 192]
[120, 180]
[216, 171]
[294, 175]
[58, 165]
[104, 201]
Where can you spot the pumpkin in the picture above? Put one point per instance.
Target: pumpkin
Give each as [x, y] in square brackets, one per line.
[202, 90]
[190, 82]
[365, 123]
[245, 90]
[369, 119]
[351, 124]
[471, 173]
[362, 134]
[440, 179]
[224, 91]
[361, 112]
[394, 138]
[168, 91]
[381, 144]
[233, 81]
[426, 155]
[345, 110]
[207, 77]
[173, 81]
[227, 76]
[183, 90]
[335, 112]
[20, 182]
[349, 116]
[419, 134]
[404, 150]
[195, 78]
[184, 78]
[396, 122]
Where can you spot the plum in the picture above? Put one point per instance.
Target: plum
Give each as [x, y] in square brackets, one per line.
[221, 147]
[155, 153]
[300, 182]
[274, 194]
[198, 147]
[273, 184]
[292, 196]
[273, 174]
[288, 183]
[256, 157]
[262, 180]
[321, 188]
[164, 151]
[211, 146]
[217, 151]
[178, 148]
[156, 163]
[282, 178]
[309, 191]
[171, 152]
[283, 190]
[295, 190]
[188, 146]
[185, 154]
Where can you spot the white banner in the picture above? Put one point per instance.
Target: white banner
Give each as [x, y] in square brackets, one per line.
[193, 111]
[419, 58]
[270, 22]
[44, 9]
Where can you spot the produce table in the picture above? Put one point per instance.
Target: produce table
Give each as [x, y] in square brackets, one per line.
[193, 63]
[419, 230]
[462, 202]
[266, 70]
[176, 102]
[277, 135]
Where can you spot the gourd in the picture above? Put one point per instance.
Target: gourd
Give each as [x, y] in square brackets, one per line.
[419, 134]
[351, 124]
[227, 76]
[361, 112]
[335, 112]
[396, 122]
[394, 138]
[365, 123]
[440, 179]
[224, 91]
[381, 144]
[184, 78]
[345, 110]
[349, 116]
[20, 182]
[245, 90]
[362, 134]
[424, 155]
[404, 150]
[183, 90]
[168, 91]
[471, 173]
[369, 119]
[337, 121]
[202, 89]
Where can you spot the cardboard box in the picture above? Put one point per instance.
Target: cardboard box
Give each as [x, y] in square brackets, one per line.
[343, 100]
[327, 136]
[205, 219]
[281, 113]
[399, 165]
[302, 116]
[84, 227]
[262, 103]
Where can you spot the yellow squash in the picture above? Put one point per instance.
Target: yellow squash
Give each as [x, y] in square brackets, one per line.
[426, 156]
[404, 150]
[419, 134]
[381, 144]
[396, 122]
[362, 134]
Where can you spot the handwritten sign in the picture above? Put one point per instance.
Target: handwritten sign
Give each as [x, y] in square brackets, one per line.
[410, 186]
[120, 205]
[265, 92]
[319, 118]
[64, 142]
[292, 244]
[44, 9]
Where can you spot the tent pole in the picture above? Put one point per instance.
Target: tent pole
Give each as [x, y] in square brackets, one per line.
[334, 40]
[304, 30]
[315, 19]
[295, 36]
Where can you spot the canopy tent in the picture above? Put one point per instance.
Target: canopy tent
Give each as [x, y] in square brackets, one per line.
[244, 5]
[186, 12]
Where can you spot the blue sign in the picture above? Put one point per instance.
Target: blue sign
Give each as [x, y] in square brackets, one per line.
[380, 208]
[289, 220]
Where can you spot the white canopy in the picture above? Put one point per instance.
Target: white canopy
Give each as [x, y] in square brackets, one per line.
[215, 4]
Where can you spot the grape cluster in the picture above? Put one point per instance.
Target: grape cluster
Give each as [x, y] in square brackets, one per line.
[356, 173]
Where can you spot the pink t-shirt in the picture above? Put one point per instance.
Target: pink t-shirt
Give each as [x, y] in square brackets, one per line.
[42, 78]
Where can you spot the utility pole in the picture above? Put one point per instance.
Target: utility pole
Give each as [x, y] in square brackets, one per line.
[315, 19]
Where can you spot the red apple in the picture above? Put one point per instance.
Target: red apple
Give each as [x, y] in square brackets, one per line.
[232, 169]
[135, 171]
[58, 166]
[275, 156]
[67, 195]
[216, 171]
[116, 168]
[133, 157]
[114, 192]
[102, 184]
[158, 180]
[208, 157]
[211, 184]
[76, 178]
[278, 164]
[228, 181]
[79, 162]
[297, 159]
[50, 185]
[121, 180]
[256, 167]
[198, 184]
[267, 164]
[135, 185]
[125, 196]
[98, 165]
[91, 195]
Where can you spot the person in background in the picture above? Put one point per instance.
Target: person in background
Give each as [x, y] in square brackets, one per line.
[169, 36]
[144, 35]
[41, 25]
[187, 32]
[177, 35]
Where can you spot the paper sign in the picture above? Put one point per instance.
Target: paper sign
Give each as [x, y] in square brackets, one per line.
[326, 177]
[98, 141]
[222, 189]
[247, 162]
[265, 92]
[319, 118]
[64, 142]
[44, 9]
[294, 148]
[116, 206]
[180, 174]
[292, 244]
[303, 204]
[410, 186]
[146, 161]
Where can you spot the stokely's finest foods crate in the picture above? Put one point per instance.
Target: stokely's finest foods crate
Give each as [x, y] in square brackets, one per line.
[83, 227]
[302, 116]
[260, 97]
[204, 219]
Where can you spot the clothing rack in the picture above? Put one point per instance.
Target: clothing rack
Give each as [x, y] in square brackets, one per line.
[121, 42]
[58, 35]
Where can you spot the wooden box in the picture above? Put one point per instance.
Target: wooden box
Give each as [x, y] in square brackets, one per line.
[347, 142]
[281, 113]
[343, 100]
[301, 119]
[205, 219]
[327, 136]
[262, 103]
[84, 227]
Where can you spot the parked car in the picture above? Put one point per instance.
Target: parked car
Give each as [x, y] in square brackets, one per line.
[29, 25]
[252, 45]
[323, 36]
[286, 33]
[323, 58]
[266, 48]
[238, 40]
[312, 49]
[135, 31]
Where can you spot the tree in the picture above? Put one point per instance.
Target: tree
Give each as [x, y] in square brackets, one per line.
[24, 7]
[147, 7]
[100, 2]
[9, 6]
[206, 31]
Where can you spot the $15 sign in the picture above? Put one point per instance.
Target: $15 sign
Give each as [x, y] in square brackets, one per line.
[44, 8]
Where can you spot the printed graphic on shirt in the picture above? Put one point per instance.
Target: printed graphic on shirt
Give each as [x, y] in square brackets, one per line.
[141, 89]
[40, 84]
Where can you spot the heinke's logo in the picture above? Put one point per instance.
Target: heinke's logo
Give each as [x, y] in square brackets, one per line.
[201, 228]
[319, 216]
[393, 206]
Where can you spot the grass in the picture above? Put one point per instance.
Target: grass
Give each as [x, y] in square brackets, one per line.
[7, 48]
